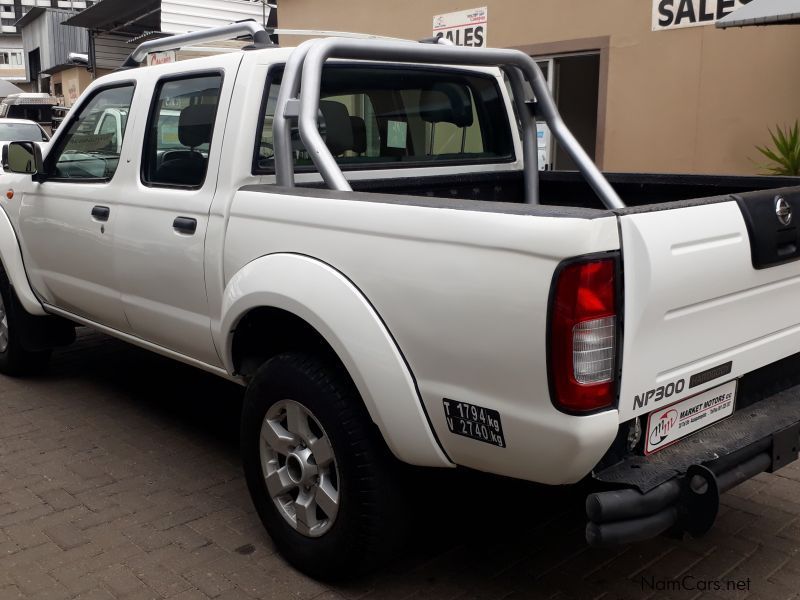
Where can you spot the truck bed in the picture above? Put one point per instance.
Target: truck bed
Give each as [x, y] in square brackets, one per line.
[568, 188]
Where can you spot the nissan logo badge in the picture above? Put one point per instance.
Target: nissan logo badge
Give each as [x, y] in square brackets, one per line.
[783, 210]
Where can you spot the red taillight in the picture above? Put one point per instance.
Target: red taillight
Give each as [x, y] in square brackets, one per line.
[583, 336]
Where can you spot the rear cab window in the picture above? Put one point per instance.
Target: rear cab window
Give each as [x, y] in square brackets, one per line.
[385, 116]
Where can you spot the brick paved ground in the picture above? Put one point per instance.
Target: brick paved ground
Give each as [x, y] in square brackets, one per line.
[120, 478]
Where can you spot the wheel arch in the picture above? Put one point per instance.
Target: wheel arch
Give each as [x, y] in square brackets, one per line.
[280, 301]
[266, 331]
[11, 258]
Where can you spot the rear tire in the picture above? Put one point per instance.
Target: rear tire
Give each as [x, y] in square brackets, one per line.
[322, 480]
[15, 360]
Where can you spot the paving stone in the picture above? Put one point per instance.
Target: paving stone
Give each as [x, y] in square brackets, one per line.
[66, 536]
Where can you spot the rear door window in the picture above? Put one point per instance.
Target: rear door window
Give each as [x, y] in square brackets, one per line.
[179, 131]
[370, 116]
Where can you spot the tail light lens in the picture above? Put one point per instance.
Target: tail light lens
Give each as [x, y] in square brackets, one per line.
[583, 336]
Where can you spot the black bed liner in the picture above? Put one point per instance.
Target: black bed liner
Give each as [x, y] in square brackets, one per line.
[641, 192]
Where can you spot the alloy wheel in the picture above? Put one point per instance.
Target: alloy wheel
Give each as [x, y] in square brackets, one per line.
[299, 468]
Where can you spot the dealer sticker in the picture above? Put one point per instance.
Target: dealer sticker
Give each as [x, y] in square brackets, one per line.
[667, 425]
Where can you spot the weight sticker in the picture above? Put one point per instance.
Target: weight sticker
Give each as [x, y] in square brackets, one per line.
[475, 422]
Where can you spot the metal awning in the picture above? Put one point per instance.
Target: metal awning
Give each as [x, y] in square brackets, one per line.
[29, 17]
[763, 12]
[7, 88]
[121, 16]
[30, 98]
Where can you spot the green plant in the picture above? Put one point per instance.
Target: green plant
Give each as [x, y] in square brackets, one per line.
[785, 156]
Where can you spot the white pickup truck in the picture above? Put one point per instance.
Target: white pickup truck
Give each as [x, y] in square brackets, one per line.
[376, 256]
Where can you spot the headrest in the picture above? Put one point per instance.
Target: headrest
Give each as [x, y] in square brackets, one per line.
[338, 129]
[359, 128]
[446, 103]
[195, 124]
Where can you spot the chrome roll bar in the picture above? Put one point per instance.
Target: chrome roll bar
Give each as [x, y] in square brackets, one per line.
[304, 71]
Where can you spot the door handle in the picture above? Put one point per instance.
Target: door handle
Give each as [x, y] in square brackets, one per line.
[101, 213]
[185, 225]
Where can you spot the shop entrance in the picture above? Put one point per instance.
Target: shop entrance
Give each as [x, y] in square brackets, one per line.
[574, 80]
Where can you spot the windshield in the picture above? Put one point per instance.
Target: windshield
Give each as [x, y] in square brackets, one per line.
[21, 132]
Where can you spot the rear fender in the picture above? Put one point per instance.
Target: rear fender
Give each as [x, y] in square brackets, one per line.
[336, 308]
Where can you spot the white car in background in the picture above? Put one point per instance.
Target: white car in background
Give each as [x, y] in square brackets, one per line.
[22, 130]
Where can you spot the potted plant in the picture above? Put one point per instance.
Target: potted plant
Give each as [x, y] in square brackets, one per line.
[785, 155]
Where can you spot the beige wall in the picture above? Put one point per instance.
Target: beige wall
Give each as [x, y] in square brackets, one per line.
[686, 100]
[73, 82]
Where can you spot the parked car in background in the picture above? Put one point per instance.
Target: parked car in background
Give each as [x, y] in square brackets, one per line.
[59, 114]
[36, 107]
[22, 130]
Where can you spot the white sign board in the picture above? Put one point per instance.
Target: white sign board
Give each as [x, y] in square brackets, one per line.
[161, 58]
[667, 425]
[463, 28]
[676, 14]
[543, 145]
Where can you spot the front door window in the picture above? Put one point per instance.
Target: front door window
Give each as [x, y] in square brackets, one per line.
[90, 150]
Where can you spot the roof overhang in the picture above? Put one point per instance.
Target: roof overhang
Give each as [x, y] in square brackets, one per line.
[30, 16]
[763, 12]
[64, 67]
[30, 98]
[121, 16]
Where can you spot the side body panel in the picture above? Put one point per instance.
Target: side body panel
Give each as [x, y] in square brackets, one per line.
[464, 294]
[68, 253]
[160, 270]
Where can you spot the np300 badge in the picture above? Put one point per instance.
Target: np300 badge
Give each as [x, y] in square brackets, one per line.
[658, 394]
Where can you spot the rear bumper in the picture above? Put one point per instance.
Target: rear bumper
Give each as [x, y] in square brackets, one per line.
[678, 488]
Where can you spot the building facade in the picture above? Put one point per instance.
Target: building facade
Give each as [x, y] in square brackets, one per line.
[12, 11]
[50, 52]
[646, 85]
[12, 54]
[115, 26]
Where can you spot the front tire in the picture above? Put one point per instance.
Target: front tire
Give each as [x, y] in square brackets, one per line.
[15, 359]
[320, 476]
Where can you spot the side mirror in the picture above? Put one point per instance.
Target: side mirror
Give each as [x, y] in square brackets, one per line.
[23, 157]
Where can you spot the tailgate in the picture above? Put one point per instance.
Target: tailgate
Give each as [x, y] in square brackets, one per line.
[712, 291]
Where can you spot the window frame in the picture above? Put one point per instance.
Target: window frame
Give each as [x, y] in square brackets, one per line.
[380, 166]
[58, 148]
[151, 113]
